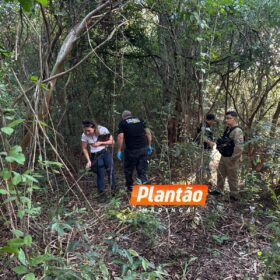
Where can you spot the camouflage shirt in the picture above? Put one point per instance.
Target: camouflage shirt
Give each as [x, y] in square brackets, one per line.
[237, 136]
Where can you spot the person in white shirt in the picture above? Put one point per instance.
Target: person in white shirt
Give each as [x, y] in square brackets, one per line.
[99, 160]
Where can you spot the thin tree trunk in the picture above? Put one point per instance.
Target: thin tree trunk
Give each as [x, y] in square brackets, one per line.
[275, 120]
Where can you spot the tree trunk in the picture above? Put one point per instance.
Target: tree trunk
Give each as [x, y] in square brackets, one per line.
[275, 120]
[65, 50]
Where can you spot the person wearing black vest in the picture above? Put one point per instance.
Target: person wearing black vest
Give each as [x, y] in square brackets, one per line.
[204, 133]
[205, 138]
[138, 140]
[230, 145]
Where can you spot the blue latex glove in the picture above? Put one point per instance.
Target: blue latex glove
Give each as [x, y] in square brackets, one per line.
[119, 155]
[149, 150]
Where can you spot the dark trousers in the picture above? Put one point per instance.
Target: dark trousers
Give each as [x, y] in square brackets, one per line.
[104, 165]
[135, 159]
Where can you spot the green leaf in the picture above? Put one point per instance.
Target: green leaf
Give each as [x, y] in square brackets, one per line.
[43, 2]
[34, 78]
[34, 211]
[44, 86]
[7, 130]
[220, 238]
[15, 154]
[15, 149]
[8, 249]
[21, 257]
[16, 178]
[51, 163]
[6, 174]
[145, 264]
[8, 110]
[133, 253]
[27, 200]
[10, 117]
[28, 240]
[67, 226]
[30, 276]
[15, 243]
[26, 4]
[21, 214]
[9, 199]
[15, 123]
[17, 232]
[192, 259]
[19, 158]
[20, 269]
[58, 228]
[130, 258]
[30, 178]
[33, 187]
[103, 268]
[41, 123]
[2, 191]
[38, 259]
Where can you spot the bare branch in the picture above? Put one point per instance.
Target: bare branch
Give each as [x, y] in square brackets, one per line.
[86, 57]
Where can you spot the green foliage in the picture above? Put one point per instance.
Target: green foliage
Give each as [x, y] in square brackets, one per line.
[166, 65]
[186, 266]
[263, 177]
[220, 239]
[92, 263]
[271, 256]
[132, 263]
[262, 185]
[28, 5]
[15, 155]
[185, 156]
[19, 185]
[212, 219]
[143, 222]
[28, 261]
[7, 130]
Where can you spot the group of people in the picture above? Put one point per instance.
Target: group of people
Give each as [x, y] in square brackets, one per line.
[132, 132]
[138, 146]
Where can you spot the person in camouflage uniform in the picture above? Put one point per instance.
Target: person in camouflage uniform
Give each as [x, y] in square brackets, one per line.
[229, 164]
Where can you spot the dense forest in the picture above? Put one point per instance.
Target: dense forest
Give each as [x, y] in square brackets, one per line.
[169, 62]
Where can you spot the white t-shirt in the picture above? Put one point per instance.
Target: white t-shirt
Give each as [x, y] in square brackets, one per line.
[92, 139]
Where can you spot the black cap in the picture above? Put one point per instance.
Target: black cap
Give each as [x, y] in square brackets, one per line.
[210, 117]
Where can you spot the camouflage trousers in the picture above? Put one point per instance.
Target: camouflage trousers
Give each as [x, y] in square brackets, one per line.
[229, 169]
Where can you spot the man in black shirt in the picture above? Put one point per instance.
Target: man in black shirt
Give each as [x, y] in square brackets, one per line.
[138, 140]
[204, 134]
[205, 138]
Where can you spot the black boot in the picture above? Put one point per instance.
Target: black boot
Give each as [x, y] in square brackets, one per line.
[214, 192]
[114, 192]
[102, 198]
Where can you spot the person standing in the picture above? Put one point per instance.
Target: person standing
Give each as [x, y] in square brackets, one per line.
[205, 138]
[138, 140]
[230, 145]
[100, 159]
